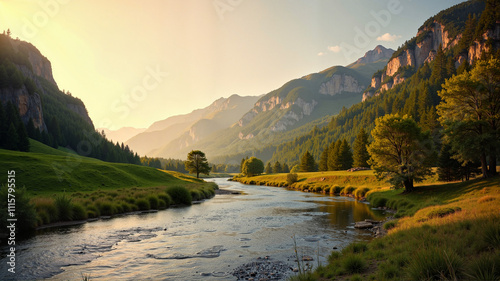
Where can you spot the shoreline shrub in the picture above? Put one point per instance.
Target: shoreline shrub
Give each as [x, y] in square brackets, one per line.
[179, 195]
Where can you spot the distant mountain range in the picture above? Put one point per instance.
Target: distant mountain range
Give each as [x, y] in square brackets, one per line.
[241, 125]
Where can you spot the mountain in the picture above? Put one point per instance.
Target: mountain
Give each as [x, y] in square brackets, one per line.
[122, 134]
[284, 113]
[180, 131]
[446, 44]
[32, 106]
[449, 29]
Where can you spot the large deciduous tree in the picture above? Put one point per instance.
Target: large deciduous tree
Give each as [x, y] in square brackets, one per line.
[470, 114]
[252, 167]
[197, 163]
[400, 151]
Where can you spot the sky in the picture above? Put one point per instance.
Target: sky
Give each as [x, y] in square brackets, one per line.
[136, 62]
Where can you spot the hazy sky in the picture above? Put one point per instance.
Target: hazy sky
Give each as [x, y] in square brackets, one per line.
[136, 62]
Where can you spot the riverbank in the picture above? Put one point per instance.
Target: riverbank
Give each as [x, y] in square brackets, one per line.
[58, 186]
[442, 231]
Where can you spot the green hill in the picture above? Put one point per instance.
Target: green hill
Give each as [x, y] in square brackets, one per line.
[46, 170]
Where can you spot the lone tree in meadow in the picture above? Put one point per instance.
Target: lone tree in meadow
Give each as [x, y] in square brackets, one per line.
[252, 167]
[469, 112]
[400, 151]
[197, 163]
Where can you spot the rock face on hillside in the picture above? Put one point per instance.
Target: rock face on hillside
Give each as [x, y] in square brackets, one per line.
[424, 51]
[30, 106]
[341, 83]
[40, 64]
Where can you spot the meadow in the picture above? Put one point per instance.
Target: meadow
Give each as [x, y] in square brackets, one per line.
[62, 186]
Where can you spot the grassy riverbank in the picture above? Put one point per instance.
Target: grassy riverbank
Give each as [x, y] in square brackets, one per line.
[445, 231]
[331, 182]
[63, 186]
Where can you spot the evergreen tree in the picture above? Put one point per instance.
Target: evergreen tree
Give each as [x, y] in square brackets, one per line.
[345, 154]
[277, 167]
[23, 140]
[307, 163]
[12, 138]
[286, 169]
[333, 156]
[448, 168]
[30, 129]
[3, 126]
[360, 155]
[268, 169]
[323, 160]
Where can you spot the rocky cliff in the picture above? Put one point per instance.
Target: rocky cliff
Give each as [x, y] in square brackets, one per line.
[424, 46]
[34, 66]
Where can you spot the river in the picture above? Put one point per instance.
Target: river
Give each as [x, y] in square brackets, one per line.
[206, 241]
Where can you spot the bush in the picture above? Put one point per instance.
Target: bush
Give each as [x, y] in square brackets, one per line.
[153, 201]
[179, 195]
[46, 209]
[79, 212]
[347, 190]
[360, 192]
[353, 264]
[291, 178]
[64, 207]
[142, 204]
[166, 198]
[196, 195]
[106, 208]
[379, 202]
[390, 224]
[441, 212]
[125, 207]
[93, 211]
[355, 248]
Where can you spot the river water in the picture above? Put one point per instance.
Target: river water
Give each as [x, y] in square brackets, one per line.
[206, 241]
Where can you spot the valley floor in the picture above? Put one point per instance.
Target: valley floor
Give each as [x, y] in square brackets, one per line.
[442, 231]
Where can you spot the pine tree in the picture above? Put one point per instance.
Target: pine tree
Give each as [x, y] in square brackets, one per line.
[3, 126]
[345, 155]
[268, 169]
[23, 141]
[334, 157]
[30, 129]
[448, 168]
[360, 154]
[323, 160]
[307, 163]
[12, 138]
[277, 167]
[286, 169]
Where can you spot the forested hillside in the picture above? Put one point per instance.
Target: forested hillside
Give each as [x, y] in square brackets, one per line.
[417, 95]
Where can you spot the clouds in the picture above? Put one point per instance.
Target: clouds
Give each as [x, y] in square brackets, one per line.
[387, 37]
[332, 49]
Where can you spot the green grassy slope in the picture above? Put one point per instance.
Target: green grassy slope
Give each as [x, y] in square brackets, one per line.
[48, 170]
